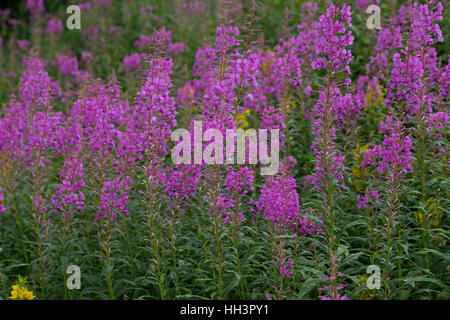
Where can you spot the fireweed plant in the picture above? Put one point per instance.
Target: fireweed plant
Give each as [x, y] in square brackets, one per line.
[86, 171]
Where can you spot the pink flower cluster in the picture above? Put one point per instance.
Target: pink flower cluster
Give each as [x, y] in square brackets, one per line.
[363, 201]
[69, 66]
[394, 156]
[237, 184]
[180, 182]
[333, 38]
[54, 26]
[35, 6]
[279, 199]
[68, 194]
[2, 198]
[133, 61]
[286, 267]
[114, 198]
[333, 288]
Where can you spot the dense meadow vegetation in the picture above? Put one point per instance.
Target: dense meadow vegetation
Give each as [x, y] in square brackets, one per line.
[358, 208]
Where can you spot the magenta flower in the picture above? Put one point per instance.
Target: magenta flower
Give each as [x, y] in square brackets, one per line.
[4, 14]
[143, 42]
[363, 4]
[331, 53]
[132, 62]
[177, 48]
[86, 56]
[91, 32]
[363, 202]
[394, 157]
[388, 42]
[14, 22]
[333, 38]
[180, 182]
[196, 7]
[2, 199]
[155, 109]
[85, 6]
[333, 287]
[69, 66]
[54, 26]
[114, 198]
[331, 161]
[407, 77]
[146, 9]
[445, 81]
[237, 184]
[35, 6]
[23, 44]
[68, 195]
[286, 267]
[438, 120]
[279, 199]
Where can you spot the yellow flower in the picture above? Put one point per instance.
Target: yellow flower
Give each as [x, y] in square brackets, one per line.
[365, 296]
[365, 293]
[15, 293]
[267, 65]
[5, 164]
[194, 108]
[27, 294]
[374, 97]
[357, 170]
[21, 293]
[242, 120]
[291, 104]
[432, 212]
[357, 185]
[189, 91]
